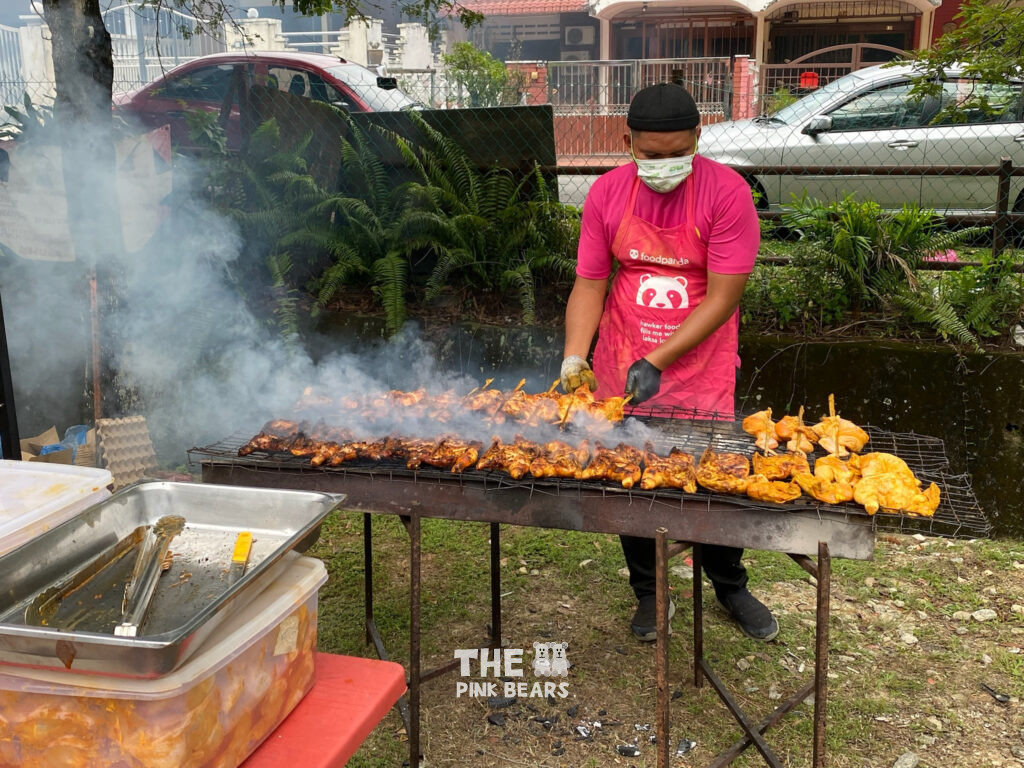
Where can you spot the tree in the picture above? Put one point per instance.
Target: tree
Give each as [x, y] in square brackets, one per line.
[484, 77]
[988, 45]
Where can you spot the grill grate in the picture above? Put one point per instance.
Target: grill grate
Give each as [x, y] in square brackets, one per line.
[958, 516]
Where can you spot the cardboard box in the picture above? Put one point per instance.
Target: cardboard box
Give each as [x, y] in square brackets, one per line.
[85, 457]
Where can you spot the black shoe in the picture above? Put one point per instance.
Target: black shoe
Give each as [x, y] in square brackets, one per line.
[751, 614]
[645, 621]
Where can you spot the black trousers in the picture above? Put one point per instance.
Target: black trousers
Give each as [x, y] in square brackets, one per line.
[721, 564]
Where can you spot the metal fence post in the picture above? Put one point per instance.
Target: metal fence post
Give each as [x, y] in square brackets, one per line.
[1002, 206]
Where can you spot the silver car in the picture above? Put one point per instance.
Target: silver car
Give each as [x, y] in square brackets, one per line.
[867, 119]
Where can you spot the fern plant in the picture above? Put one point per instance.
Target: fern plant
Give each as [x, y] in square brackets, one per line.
[486, 227]
[876, 255]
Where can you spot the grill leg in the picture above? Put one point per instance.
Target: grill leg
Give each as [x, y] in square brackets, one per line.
[821, 652]
[698, 616]
[661, 603]
[495, 586]
[368, 573]
[414, 641]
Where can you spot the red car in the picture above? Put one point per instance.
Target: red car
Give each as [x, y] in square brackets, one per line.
[203, 83]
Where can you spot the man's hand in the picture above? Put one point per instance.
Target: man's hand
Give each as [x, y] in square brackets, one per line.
[643, 381]
[575, 373]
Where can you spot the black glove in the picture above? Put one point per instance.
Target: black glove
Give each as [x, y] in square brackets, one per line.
[643, 381]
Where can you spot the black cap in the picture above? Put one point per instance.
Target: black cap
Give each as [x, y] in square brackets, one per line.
[663, 107]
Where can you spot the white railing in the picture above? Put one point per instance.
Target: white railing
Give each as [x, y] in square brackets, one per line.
[146, 43]
[606, 87]
[12, 83]
[314, 41]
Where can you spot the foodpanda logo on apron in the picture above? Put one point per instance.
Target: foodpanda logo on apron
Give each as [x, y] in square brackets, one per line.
[662, 292]
[639, 255]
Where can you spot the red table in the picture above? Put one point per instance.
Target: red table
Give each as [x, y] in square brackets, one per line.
[348, 699]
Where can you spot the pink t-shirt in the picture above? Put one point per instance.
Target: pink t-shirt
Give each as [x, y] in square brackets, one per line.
[725, 213]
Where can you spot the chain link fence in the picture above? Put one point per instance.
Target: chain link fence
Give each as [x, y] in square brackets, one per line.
[802, 129]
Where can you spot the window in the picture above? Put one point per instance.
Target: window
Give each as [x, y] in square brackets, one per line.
[204, 84]
[883, 109]
[990, 102]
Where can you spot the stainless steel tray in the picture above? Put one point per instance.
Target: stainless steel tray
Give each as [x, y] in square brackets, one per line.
[191, 599]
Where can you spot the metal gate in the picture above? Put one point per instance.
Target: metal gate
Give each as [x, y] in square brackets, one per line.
[147, 42]
[12, 83]
[818, 68]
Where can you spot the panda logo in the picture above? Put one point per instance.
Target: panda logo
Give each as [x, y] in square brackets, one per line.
[661, 292]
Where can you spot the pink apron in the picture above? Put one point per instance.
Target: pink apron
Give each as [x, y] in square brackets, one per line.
[662, 277]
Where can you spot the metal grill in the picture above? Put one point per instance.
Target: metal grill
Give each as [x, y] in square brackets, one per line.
[958, 515]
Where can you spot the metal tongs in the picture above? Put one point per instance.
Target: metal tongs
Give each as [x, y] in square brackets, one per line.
[148, 566]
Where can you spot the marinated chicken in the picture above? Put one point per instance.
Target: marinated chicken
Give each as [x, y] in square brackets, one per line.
[514, 459]
[673, 471]
[833, 469]
[760, 488]
[827, 491]
[797, 436]
[619, 465]
[887, 483]
[780, 466]
[723, 472]
[560, 459]
[532, 410]
[761, 426]
[447, 453]
[837, 435]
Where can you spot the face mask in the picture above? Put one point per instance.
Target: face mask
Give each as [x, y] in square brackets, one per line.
[666, 173]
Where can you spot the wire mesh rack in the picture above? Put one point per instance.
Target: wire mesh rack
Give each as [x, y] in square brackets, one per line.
[958, 516]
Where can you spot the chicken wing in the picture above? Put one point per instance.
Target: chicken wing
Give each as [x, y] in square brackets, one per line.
[761, 426]
[619, 465]
[795, 434]
[828, 491]
[514, 459]
[833, 469]
[760, 488]
[895, 493]
[780, 466]
[836, 434]
[723, 472]
[674, 471]
[559, 459]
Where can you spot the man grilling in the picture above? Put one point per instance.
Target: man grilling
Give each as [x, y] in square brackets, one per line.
[683, 232]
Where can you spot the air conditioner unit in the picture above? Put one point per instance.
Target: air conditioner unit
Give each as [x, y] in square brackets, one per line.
[575, 55]
[579, 35]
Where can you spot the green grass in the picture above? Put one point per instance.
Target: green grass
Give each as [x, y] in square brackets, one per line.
[880, 692]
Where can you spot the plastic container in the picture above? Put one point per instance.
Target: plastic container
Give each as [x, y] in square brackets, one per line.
[35, 496]
[211, 712]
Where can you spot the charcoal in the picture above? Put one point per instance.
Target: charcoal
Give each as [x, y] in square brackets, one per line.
[496, 718]
[500, 702]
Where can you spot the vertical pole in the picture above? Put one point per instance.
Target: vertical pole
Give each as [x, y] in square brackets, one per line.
[414, 640]
[821, 653]
[9, 437]
[698, 616]
[94, 323]
[1002, 206]
[661, 603]
[368, 572]
[495, 586]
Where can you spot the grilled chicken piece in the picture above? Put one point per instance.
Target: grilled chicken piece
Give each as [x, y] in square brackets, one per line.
[723, 472]
[836, 434]
[761, 426]
[828, 491]
[895, 493]
[780, 466]
[619, 465]
[417, 450]
[832, 469]
[514, 459]
[610, 409]
[888, 483]
[674, 471]
[761, 488]
[797, 436]
[534, 410]
[274, 437]
[561, 460]
[447, 453]
[579, 400]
